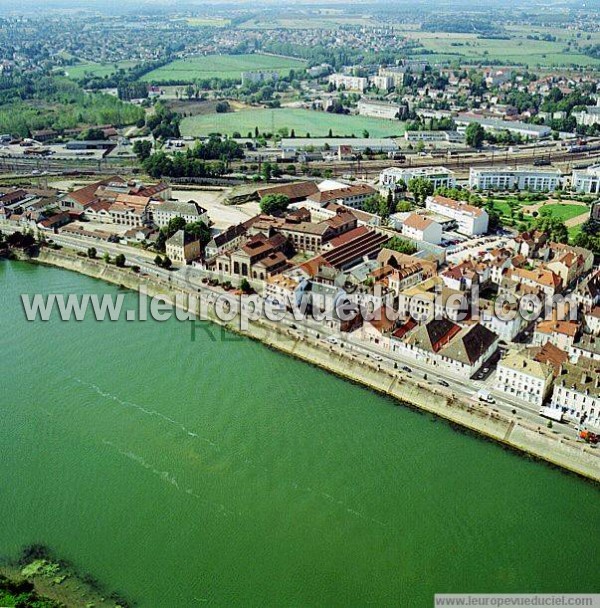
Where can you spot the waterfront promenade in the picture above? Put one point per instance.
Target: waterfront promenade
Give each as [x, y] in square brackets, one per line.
[355, 364]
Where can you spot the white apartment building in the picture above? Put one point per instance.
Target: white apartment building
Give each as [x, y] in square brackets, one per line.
[440, 177]
[163, 213]
[523, 378]
[471, 220]
[520, 178]
[587, 180]
[577, 393]
[350, 83]
[380, 109]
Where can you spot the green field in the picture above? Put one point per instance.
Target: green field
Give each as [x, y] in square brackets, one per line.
[519, 49]
[221, 66]
[97, 69]
[565, 212]
[301, 121]
[208, 22]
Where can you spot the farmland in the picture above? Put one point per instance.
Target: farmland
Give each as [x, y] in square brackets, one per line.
[227, 67]
[518, 50]
[301, 121]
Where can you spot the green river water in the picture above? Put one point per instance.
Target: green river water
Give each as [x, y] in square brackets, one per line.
[222, 473]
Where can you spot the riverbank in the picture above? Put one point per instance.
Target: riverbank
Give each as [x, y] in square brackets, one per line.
[51, 583]
[536, 441]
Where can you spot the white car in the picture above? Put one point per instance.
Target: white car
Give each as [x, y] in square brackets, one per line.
[377, 357]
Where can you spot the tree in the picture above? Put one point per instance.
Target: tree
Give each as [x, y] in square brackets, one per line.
[420, 188]
[401, 245]
[200, 231]
[120, 260]
[245, 286]
[106, 257]
[474, 135]
[553, 227]
[167, 263]
[222, 107]
[142, 148]
[92, 253]
[158, 261]
[274, 204]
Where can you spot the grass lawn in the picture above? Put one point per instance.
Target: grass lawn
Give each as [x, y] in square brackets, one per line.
[97, 69]
[565, 212]
[221, 66]
[302, 121]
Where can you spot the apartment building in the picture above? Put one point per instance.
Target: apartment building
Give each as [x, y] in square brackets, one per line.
[350, 83]
[440, 177]
[520, 178]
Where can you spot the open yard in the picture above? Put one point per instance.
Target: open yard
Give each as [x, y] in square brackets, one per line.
[229, 67]
[301, 121]
[97, 69]
[571, 212]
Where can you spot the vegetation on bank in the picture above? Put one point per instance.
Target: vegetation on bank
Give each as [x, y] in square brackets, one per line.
[30, 103]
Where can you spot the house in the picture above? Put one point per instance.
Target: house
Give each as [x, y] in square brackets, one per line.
[226, 241]
[577, 393]
[591, 320]
[296, 192]
[471, 220]
[182, 248]
[587, 347]
[130, 210]
[422, 228]
[561, 334]
[523, 378]
[378, 327]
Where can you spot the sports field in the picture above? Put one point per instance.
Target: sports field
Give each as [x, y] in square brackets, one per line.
[301, 121]
[97, 69]
[228, 67]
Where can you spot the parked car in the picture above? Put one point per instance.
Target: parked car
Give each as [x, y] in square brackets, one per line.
[443, 383]
[407, 369]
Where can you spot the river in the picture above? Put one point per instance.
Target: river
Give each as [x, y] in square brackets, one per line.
[218, 472]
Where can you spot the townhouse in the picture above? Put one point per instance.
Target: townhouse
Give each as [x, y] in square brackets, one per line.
[521, 377]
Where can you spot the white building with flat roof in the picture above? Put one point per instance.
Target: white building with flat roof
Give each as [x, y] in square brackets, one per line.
[440, 177]
[520, 178]
[586, 180]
